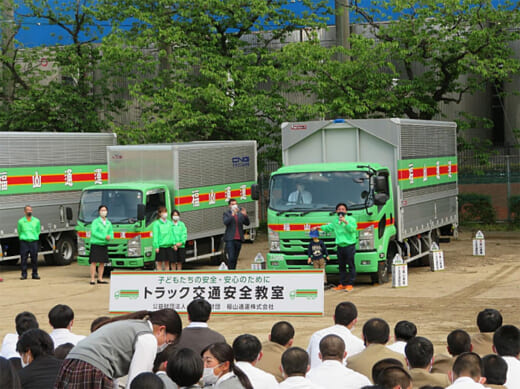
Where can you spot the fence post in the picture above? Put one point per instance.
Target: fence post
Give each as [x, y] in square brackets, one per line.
[508, 174]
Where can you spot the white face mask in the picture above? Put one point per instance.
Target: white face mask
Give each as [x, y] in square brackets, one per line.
[103, 213]
[161, 347]
[209, 377]
[175, 218]
[234, 207]
[164, 216]
[24, 364]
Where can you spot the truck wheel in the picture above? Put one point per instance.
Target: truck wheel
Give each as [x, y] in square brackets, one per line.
[381, 277]
[219, 258]
[65, 250]
[9, 262]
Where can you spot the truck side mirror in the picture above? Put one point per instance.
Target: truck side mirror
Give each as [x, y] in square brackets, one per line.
[68, 213]
[381, 184]
[140, 211]
[255, 192]
[380, 198]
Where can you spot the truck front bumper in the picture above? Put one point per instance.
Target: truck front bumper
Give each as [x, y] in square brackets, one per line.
[136, 262]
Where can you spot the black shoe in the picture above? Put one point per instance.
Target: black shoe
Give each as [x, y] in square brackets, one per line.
[23, 277]
[92, 282]
[35, 277]
[102, 282]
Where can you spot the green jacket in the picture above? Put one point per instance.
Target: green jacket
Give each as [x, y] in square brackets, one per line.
[99, 232]
[181, 233]
[29, 231]
[163, 235]
[346, 234]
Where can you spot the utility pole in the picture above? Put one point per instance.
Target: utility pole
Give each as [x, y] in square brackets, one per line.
[342, 26]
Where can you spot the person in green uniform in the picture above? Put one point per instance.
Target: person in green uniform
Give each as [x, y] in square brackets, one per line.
[181, 235]
[345, 230]
[163, 239]
[101, 233]
[29, 235]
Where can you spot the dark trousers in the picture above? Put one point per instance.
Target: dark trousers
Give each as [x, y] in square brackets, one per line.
[346, 257]
[27, 248]
[233, 250]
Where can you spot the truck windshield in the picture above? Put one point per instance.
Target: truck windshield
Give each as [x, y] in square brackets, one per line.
[319, 190]
[122, 205]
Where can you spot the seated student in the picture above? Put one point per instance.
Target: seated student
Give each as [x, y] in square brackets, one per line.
[459, 342]
[419, 355]
[467, 372]
[97, 321]
[61, 318]
[220, 370]
[280, 339]
[403, 332]
[332, 373]
[23, 321]
[495, 371]
[63, 350]
[160, 364]
[40, 368]
[248, 351]
[146, 380]
[488, 321]
[8, 376]
[295, 365]
[394, 377]
[185, 368]
[383, 364]
[506, 343]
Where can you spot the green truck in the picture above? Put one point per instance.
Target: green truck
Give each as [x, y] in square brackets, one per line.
[397, 176]
[196, 178]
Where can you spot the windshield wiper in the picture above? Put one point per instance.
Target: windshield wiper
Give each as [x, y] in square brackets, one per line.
[128, 220]
[317, 210]
[292, 210]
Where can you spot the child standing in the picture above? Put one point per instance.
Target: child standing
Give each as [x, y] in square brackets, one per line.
[317, 253]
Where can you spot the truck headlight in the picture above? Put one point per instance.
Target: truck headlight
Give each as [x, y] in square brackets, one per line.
[134, 247]
[274, 240]
[366, 239]
[81, 247]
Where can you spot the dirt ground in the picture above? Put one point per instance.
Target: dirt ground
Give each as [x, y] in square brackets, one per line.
[436, 302]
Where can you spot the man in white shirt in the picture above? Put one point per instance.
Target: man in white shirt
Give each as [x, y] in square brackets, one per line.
[248, 351]
[295, 364]
[403, 332]
[466, 372]
[495, 371]
[61, 318]
[345, 318]
[332, 373]
[23, 321]
[506, 343]
[300, 195]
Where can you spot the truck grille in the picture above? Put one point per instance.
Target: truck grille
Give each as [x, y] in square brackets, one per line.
[299, 246]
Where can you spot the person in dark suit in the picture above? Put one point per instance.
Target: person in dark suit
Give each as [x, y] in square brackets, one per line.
[234, 219]
[197, 335]
[40, 368]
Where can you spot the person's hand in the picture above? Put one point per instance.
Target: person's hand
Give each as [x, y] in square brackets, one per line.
[243, 211]
[327, 258]
[309, 261]
[314, 228]
[179, 245]
[175, 247]
[157, 250]
[107, 237]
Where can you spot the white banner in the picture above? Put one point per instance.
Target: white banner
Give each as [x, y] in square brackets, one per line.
[269, 292]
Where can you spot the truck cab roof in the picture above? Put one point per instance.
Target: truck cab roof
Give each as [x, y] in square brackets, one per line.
[327, 167]
[142, 186]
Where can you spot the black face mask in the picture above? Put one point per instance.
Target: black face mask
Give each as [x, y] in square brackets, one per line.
[29, 214]
[341, 214]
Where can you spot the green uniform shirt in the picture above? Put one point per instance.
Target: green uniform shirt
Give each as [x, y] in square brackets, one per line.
[163, 235]
[181, 233]
[100, 230]
[346, 234]
[29, 230]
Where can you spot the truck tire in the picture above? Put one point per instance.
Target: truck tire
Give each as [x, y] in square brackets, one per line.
[65, 250]
[381, 277]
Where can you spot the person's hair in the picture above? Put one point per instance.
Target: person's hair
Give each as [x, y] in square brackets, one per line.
[507, 341]
[146, 380]
[494, 368]
[393, 376]
[376, 330]
[27, 206]
[431, 387]
[231, 200]
[467, 364]
[295, 361]
[246, 347]
[25, 321]
[185, 367]
[199, 310]
[282, 332]
[345, 312]
[489, 320]
[97, 321]
[419, 352]
[102, 206]
[383, 364]
[176, 211]
[163, 317]
[161, 209]
[340, 204]
[332, 347]
[60, 316]
[163, 356]
[37, 341]
[9, 378]
[405, 330]
[223, 352]
[63, 350]
[459, 342]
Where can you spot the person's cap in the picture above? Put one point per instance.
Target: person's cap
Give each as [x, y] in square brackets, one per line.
[314, 234]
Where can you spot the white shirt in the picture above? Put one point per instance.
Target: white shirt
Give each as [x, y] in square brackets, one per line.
[465, 383]
[306, 197]
[259, 378]
[63, 335]
[513, 373]
[144, 355]
[9, 346]
[298, 382]
[353, 345]
[398, 347]
[197, 324]
[332, 374]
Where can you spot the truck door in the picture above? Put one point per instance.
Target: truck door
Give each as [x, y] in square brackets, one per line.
[154, 199]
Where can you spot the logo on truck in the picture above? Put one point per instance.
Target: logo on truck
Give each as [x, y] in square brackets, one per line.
[240, 161]
[131, 294]
[309, 294]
